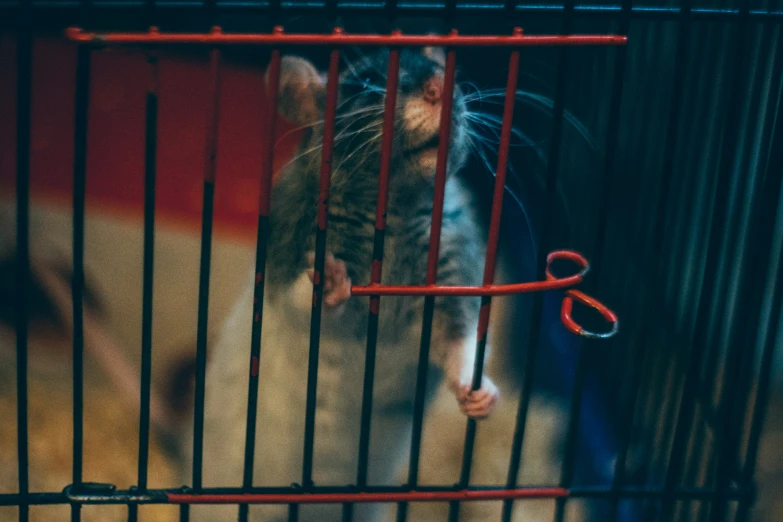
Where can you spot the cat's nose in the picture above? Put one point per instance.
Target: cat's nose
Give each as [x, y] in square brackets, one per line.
[433, 90]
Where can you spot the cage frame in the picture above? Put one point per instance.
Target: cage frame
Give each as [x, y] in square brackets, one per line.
[85, 493]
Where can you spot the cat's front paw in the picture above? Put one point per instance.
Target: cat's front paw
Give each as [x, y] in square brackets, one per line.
[477, 404]
[337, 284]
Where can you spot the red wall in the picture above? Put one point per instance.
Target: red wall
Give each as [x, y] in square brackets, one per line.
[115, 162]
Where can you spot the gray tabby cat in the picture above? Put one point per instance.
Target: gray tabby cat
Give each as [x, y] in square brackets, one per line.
[288, 299]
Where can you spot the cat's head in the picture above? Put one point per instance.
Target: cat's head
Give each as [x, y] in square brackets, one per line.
[360, 111]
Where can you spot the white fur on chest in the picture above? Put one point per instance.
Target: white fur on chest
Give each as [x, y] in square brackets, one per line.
[283, 375]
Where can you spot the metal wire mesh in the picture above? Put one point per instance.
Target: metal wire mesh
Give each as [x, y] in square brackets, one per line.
[721, 392]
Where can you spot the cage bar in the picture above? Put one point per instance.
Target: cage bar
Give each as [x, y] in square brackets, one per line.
[24, 80]
[551, 283]
[208, 202]
[364, 497]
[392, 77]
[66, 8]
[537, 313]
[657, 239]
[491, 258]
[320, 255]
[574, 415]
[554, 172]
[717, 236]
[728, 427]
[77, 495]
[337, 495]
[444, 135]
[79, 185]
[150, 159]
[770, 203]
[337, 39]
[607, 182]
[262, 240]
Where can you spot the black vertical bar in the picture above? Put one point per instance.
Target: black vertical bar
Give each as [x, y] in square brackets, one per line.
[79, 184]
[600, 240]
[718, 236]
[657, 239]
[538, 300]
[347, 512]
[293, 513]
[150, 152]
[392, 76]
[432, 273]
[265, 198]
[150, 155]
[24, 81]
[567, 471]
[727, 427]
[491, 259]
[769, 195]
[210, 158]
[612, 131]
[391, 9]
[320, 255]
[603, 219]
[450, 12]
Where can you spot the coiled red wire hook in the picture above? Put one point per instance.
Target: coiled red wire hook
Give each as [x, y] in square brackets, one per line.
[580, 297]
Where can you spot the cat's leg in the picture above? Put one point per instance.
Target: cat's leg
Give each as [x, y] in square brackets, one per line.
[457, 357]
[460, 366]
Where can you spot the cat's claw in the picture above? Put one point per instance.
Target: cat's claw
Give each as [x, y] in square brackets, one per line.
[337, 284]
[477, 404]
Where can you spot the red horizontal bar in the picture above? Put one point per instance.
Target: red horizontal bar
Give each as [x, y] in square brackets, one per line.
[339, 498]
[552, 283]
[468, 291]
[337, 38]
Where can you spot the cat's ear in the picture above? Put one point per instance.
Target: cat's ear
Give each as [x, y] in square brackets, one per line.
[301, 92]
[436, 54]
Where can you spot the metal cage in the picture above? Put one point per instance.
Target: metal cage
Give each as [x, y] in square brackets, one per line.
[693, 367]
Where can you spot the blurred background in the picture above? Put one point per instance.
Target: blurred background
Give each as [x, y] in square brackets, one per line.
[660, 161]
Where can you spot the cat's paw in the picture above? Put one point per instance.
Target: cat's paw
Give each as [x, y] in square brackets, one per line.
[337, 284]
[477, 404]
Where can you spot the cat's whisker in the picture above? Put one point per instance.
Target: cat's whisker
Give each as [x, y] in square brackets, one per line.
[343, 135]
[367, 142]
[351, 68]
[474, 87]
[372, 110]
[491, 169]
[535, 100]
[350, 98]
[373, 88]
[300, 155]
[493, 123]
[367, 61]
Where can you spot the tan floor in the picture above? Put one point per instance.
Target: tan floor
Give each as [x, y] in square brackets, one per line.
[110, 434]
